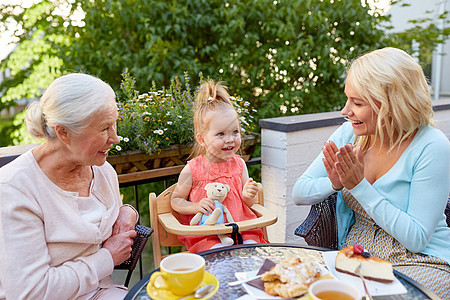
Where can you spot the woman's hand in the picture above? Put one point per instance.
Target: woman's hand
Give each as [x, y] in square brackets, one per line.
[126, 220]
[329, 161]
[119, 245]
[349, 166]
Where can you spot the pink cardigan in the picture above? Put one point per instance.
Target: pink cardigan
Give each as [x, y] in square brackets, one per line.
[47, 250]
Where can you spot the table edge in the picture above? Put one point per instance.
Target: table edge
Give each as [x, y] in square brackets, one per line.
[137, 287]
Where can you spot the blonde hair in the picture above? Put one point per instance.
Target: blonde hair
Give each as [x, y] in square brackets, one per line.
[396, 88]
[213, 96]
[69, 100]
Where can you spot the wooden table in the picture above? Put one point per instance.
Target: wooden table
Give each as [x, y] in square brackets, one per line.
[224, 262]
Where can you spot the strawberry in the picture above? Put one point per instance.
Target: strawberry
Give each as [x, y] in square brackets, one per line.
[357, 249]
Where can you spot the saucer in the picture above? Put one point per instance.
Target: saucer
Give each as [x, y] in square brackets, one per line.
[162, 294]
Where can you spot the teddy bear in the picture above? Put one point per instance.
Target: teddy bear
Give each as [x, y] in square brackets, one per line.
[217, 192]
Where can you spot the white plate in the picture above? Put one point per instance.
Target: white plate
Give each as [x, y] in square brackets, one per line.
[375, 288]
[256, 293]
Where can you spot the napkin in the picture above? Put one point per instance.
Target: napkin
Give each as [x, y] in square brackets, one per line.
[266, 266]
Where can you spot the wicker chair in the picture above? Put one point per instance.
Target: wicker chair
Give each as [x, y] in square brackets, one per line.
[143, 233]
[320, 227]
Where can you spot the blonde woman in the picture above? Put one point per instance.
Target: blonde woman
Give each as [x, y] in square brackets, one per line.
[391, 169]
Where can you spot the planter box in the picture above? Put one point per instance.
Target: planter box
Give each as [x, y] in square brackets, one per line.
[137, 165]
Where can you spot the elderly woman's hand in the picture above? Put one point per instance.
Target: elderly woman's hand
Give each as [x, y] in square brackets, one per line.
[126, 220]
[119, 245]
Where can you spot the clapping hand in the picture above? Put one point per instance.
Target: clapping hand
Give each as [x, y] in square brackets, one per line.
[350, 166]
[344, 167]
[329, 161]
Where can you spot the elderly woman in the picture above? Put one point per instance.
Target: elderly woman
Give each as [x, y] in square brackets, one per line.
[391, 169]
[63, 227]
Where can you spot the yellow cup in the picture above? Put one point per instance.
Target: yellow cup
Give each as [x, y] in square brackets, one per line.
[332, 289]
[181, 273]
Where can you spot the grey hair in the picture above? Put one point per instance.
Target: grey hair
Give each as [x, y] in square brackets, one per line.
[69, 100]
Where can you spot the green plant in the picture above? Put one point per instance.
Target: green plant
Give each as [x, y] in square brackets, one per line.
[161, 118]
[284, 57]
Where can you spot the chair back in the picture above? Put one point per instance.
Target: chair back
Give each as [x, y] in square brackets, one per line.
[447, 212]
[161, 212]
[160, 205]
[320, 226]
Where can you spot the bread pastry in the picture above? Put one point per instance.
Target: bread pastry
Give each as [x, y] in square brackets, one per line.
[373, 268]
[290, 278]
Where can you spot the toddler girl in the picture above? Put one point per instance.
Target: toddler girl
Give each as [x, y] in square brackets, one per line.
[218, 138]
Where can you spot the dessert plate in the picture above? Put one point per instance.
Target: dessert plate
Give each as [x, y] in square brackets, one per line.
[163, 294]
[256, 293]
[375, 288]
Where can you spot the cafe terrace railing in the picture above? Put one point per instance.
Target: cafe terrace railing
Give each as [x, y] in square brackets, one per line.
[288, 146]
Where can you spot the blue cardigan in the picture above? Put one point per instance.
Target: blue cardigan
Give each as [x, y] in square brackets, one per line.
[408, 201]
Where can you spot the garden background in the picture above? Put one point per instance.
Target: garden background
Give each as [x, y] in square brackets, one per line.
[284, 57]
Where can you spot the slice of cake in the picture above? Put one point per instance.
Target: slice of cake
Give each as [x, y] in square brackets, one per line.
[373, 268]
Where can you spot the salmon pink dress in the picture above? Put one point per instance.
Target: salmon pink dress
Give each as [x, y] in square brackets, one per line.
[228, 172]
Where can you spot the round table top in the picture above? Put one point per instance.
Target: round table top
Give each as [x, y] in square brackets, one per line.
[224, 262]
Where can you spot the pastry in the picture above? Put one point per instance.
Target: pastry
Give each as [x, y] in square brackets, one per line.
[373, 268]
[290, 278]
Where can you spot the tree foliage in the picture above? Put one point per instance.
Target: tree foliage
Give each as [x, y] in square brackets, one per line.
[285, 57]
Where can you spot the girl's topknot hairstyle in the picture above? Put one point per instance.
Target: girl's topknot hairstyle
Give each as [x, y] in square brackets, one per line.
[212, 96]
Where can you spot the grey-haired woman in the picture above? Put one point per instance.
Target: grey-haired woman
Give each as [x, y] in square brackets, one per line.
[63, 227]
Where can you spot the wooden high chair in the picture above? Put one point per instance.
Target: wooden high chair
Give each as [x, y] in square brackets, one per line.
[166, 222]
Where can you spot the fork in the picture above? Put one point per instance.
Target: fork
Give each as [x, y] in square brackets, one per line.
[358, 271]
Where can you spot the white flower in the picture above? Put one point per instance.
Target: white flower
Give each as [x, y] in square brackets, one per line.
[118, 148]
[169, 122]
[141, 97]
[246, 103]
[126, 140]
[146, 113]
[120, 138]
[180, 117]
[160, 132]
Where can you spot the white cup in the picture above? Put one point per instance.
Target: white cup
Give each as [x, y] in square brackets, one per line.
[333, 289]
